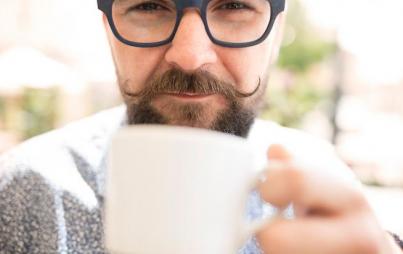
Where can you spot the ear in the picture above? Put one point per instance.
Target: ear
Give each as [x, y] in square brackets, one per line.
[108, 29]
[278, 32]
[105, 21]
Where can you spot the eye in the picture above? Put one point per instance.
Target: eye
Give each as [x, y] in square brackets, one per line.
[147, 7]
[234, 6]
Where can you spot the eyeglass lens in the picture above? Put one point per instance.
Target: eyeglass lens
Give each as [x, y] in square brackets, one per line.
[150, 21]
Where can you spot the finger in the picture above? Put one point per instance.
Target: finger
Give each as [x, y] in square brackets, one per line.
[278, 152]
[316, 236]
[315, 192]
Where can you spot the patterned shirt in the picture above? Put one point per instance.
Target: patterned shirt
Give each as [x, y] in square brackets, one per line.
[52, 186]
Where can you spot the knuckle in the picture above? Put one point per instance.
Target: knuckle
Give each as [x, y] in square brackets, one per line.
[296, 178]
[358, 200]
[272, 240]
[367, 239]
[368, 244]
[292, 173]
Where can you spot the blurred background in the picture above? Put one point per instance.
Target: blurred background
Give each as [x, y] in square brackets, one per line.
[340, 77]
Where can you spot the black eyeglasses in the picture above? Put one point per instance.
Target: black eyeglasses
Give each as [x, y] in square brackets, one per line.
[228, 23]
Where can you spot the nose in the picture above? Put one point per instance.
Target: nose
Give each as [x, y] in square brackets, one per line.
[191, 48]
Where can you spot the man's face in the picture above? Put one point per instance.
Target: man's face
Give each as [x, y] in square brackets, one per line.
[192, 81]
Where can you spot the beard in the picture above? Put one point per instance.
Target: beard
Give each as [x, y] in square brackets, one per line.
[235, 118]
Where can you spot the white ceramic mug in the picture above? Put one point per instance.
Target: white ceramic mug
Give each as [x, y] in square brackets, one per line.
[177, 190]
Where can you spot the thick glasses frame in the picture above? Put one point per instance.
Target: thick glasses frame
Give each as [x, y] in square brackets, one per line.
[106, 6]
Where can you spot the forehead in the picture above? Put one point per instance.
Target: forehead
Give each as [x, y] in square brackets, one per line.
[276, 4]
[179, 3]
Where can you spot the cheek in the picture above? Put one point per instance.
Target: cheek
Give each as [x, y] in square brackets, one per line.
[137, 64]
[247, 65]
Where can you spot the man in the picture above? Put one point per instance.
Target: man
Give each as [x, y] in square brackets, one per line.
[198, 64]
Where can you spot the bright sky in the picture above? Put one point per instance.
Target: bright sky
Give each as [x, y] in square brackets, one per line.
[370, 29]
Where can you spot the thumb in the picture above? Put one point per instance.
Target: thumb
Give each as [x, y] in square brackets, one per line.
[276, 188]
[278, 152]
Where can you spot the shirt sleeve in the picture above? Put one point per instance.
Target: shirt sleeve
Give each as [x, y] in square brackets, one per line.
[27, 218]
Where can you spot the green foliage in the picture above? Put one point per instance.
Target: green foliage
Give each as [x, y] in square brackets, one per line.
[2, 109]
[288, 105]
[308, 47]
[303, 53]
[38, 111]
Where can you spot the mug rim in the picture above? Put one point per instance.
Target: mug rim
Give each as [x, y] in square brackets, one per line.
[184, 131]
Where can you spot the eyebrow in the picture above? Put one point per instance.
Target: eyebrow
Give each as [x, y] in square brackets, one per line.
[158, 1]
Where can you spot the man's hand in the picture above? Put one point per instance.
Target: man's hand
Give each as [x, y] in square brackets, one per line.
[332, 217]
